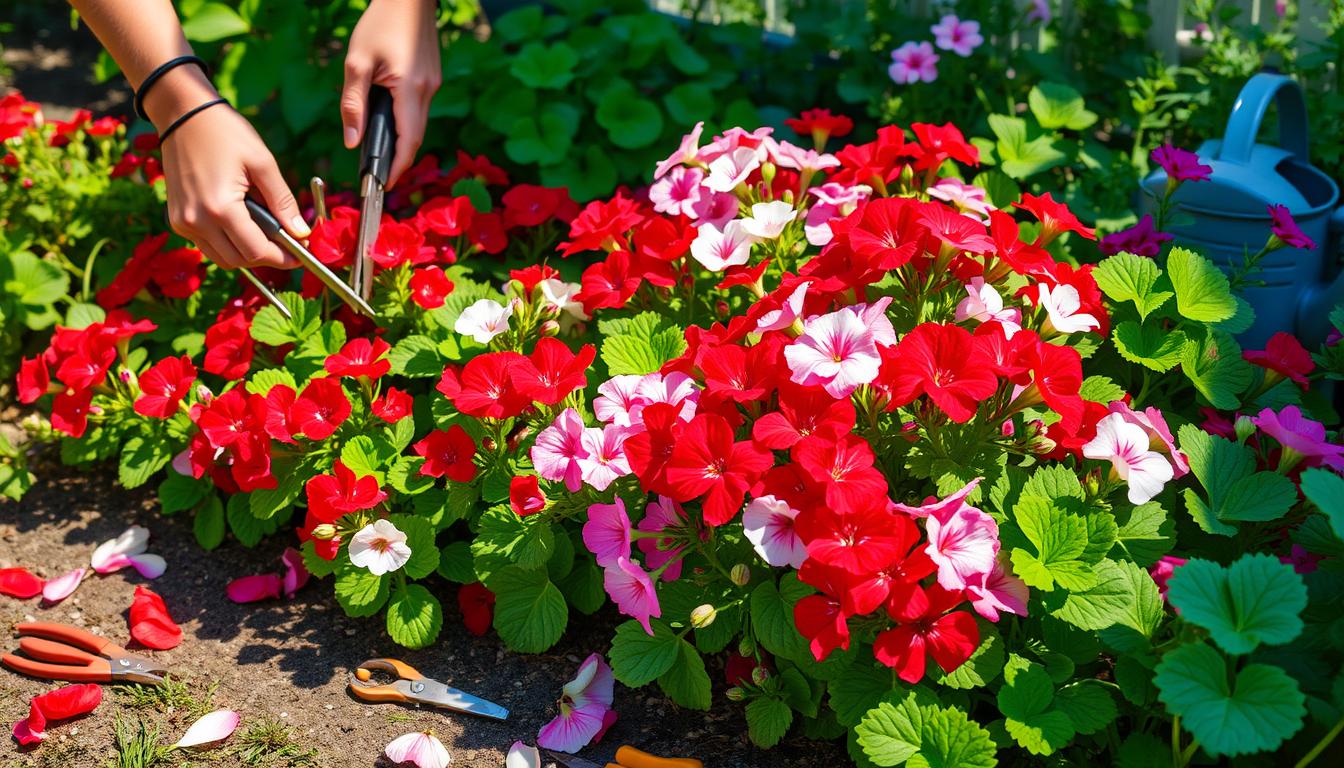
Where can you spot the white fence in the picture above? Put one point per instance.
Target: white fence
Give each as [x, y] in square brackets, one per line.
[1171, 32]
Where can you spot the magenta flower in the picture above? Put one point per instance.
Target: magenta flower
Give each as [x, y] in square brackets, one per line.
[663, 513]
[1141, 239]
[607, 532]
[1127, 447]
[964, 544]
[558, 449]
[1286, 230]
[1162, 571]
[632, 590]
[585, 708]
[677, 192]
[1040, 12]
[1301, 435]
[932, 506]
[999, 590]
[604, 458]
[960, 37]
[714, 209]
[912, 63]
[837, 352]
[1180, 164]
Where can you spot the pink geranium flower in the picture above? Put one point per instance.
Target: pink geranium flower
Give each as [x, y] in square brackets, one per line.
[685, 154]
[618, 400]
[768, 524]
[999, 590]
[836, 351]
[729, 171]
[718, 249]
[663, 513]
[604, 457]
[968, 198]
[963, 544]
[423, 750]
[713, 209]
[940, 508]
[607, 532]
[677, 192]
[1160, 438]
[791, 309]
[558, 449]
[585, 708]
[960, 37]
[912, 63]
[1126, 446]
[790, 156]
[632, 590]
[1162, 571]
[984, 304]
[768, 220]
[1301, 435]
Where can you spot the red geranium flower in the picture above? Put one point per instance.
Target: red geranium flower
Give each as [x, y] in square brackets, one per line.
[885, 231]
[393, 405]
[430, 287]
[134, 275]
[552, 371]
[479, 168]
[88, 363]
[1055, 218]
[650, 451]
[334, 238]
[956, 231]
[803, 411]
[164, 385]
[360, 358]
[400, 243]
[228, 347]
[845, 465]
[927, 629]
[34, 379]
[525, 495]
[820, 618]
[334, 495]
[487, 232]
[706, 462]
[601, 226]
[319, 409]
[738, 374]
[279, 402]
[943, 362]
[937, 143]
[448, 452]
[446, 217]
[609, 283]
[70, 412]
[478, 607]
[1057, 375]
[532, 275]
[862, 542]
[874, 163]
[233, 417]
[1283, 354]
[179, 272]
[820, 124]
[485, 388]
[528, 205]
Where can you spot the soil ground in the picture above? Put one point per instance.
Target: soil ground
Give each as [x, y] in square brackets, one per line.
[288, 662]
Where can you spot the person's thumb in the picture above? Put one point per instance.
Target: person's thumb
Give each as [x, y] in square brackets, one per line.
[354, 97]
[266, 179]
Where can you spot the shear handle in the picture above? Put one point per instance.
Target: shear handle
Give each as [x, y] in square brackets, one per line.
[380, 136]
[97, 671]
[72, 636]
[398, 691]
[59, 653]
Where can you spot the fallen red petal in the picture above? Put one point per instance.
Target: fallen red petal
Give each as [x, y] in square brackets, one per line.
[60, 704]
[151, 625]
[18, 582]
[252, 589]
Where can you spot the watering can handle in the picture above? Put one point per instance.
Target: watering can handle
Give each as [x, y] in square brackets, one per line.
[1249, 111]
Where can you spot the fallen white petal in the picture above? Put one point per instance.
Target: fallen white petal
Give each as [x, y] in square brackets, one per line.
[149, 566]
[522, 756]
[422, 750]
[61, 587]
[211, 728]
[110, 555]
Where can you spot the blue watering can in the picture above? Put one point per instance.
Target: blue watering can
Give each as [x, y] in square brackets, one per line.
[1227, 216]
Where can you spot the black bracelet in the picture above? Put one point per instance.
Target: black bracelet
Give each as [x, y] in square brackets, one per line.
[160, 71]
[190, 113]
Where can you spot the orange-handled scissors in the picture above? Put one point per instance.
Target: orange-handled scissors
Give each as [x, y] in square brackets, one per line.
[629, 757]
[411, 687]
[63, 652]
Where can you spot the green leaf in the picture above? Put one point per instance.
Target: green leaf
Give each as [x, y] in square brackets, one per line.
[262, 382]
[631, 120]
[1145, 533]
[366, 456]
[81, 315]
[640, 344]
[360, 592]
[1054, 482]
[214, 21]
[1100, 389]
[405, 476]
[687, 682]
[141, 457]
[1227, 472]
[891, 734]
[414, 617]
[249, 530]
[1127, 277]
[420, 538]
[455, 563]
[1026, 700]
[857, 690]
[271, 327]
[268, 502]
[583, 588]
[1000, 190]
[544, 137]
[923, 736]
[1088, 704]
[1154, 348]
[1019, 157]
[687, 102]
[1060, 539]
[417, 357]
[1255, 600]
[638, 658]
[1213, 363]
[1325, 489]
[768, 719]
[208, 524]
[317, 566]
[981, 668]
[539, 65]
[503, 538]
[772, 621]
[1124, 594]
[1255, 712]
[33, 282]
[1202, 290]
[1058, 106]
[530, 612]
[179, 492]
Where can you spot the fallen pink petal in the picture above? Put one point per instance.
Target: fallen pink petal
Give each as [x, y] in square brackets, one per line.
[210, 729]
[253, 589]
[422, 750]
[61, 587]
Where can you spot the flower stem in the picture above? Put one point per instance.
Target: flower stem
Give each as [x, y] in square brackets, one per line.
[1321, 745]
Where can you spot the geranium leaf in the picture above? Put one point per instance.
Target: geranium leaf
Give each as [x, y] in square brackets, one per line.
[417, 357]
[1227, 471]
[1127, 277]
[638, 658]
[208, 523]
[414, 617]
[539, 65]
[249, 529]
[1202, 291]
[772, 620]
[1325, 489]
[768, 719]
[891, 734]
[140, 459]
[179, 492]
[1154, 348]
[1088, 704]
[530, 612]
[271, 327]
[1255, 712]
[1124, 594]
[360, 592]
[1059, 538]
[420, 538]
[503, 538]
[924, 735]
[1214, 365]
[1146, 533]
[1255, 600]
[1058, 106]
[1027, 701]
[687, 682]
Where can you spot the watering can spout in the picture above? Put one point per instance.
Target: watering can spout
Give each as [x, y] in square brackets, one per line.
[1313, 315]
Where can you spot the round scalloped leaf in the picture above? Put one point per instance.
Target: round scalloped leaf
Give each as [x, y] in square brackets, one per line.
[414, 617]
[1255, 713]
[923, 736]
[1255, 600]
[631, 120]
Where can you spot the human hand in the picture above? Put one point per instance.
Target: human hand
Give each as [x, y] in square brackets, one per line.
[395, 45]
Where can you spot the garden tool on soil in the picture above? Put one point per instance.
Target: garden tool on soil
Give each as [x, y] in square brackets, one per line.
[380, 140]
[277, 234]
[411, 687]
[628, 757]
[63, 652]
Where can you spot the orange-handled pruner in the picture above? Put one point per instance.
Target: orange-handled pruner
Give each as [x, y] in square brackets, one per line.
[63, 652]
[411, 687]
[629, 757]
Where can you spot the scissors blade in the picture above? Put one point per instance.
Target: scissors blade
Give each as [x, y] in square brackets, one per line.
[437, 694]
[370, 217]
[266, 293]
[280, 237]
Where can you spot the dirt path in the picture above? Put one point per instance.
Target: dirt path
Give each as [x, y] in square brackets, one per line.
[287, 663]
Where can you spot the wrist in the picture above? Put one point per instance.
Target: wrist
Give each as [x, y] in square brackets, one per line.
[179, 90]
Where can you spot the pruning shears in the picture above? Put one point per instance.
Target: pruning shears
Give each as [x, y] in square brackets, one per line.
[65, 652]
[408, 686]
[380, 140]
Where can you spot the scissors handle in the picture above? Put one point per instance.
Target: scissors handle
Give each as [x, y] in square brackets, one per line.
[630, 757]
[49, 650]
[70, 635]
[97, 671]
[380, 136]
[361, 687]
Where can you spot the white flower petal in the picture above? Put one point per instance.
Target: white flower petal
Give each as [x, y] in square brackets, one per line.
[211, 728]
[422, 750]
[132, 541]
[61, 587]
[522, 756]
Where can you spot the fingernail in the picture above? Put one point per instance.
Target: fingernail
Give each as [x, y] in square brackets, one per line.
[351, 135]
[299, 227]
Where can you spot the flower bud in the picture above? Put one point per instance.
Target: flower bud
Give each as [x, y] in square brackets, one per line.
[759, 675]
[549, 328]
[125, 376]
[741, 574]
[703, 615]
[324, 532]
[746, 647]
[1092, 483]
[1244, 427]
[721, 307]
[736, 694]
[489, 444]
[204, 394]
[768, 173]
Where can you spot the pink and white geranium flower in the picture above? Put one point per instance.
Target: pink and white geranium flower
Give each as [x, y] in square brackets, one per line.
[128, 550]
[963, 543]
[604, 455]
[799, 159]
[585, 708]
[984, 304]
[718, 249]
[686, 153]
[960, 37]
[484, 320]
[834, 201]
[998, 590]
[632, 590]
[768, 524]
[1126, 447]
[559, 447]
[677, 192]
[713, 209]
[1160, 438]
[790, 310]
[607, 532]
[380, 547]
[731, 170]
[836, 352]
[1063, 304]
[561, 298]
[768, 220]
[968, 198]
[912, 63]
